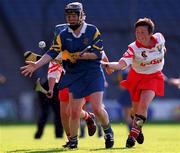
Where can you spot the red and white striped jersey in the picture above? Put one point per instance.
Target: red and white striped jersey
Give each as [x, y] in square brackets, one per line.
[146, 60]
[54, 70]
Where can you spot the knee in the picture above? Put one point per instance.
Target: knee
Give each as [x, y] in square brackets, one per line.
[97, 111]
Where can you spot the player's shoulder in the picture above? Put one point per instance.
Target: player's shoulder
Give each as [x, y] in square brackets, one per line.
[60, 28]
[159, 36]
[132, 45]
[92, 27]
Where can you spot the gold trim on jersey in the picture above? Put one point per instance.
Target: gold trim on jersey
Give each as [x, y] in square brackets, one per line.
[58, 45]
[98, 48]
[96, 34]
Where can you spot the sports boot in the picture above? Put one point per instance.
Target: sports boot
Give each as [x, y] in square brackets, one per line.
[109, 140]
[91, 124]
[130, 142]
[140, 138]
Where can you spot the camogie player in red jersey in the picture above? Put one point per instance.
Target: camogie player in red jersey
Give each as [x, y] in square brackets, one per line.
[145, 56]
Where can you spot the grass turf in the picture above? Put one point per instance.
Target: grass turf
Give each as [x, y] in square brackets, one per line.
[159, 138]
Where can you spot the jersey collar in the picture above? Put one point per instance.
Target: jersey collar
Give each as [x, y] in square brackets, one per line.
[83, 30]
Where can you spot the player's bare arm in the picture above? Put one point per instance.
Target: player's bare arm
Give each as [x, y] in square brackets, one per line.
[120, 65]
[51, 84]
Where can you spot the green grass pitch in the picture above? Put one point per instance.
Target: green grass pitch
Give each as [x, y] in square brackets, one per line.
[159, 138]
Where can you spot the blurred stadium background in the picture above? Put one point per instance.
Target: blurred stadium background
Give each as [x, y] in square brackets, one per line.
[23, 23]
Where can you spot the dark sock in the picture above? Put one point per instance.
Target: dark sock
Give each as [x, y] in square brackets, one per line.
[107, 129]
[73, 139]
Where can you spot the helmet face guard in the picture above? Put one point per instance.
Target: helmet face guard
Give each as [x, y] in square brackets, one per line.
[75, 8]
[71, 11]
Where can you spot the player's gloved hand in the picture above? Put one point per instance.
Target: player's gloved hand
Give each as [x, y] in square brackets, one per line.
[72, 57]
[75, 56]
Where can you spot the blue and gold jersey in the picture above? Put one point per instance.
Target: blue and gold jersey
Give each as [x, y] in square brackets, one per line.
[82, 77]
[66, 42]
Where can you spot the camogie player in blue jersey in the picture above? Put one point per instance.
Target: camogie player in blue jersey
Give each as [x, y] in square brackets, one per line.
[83, 73]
